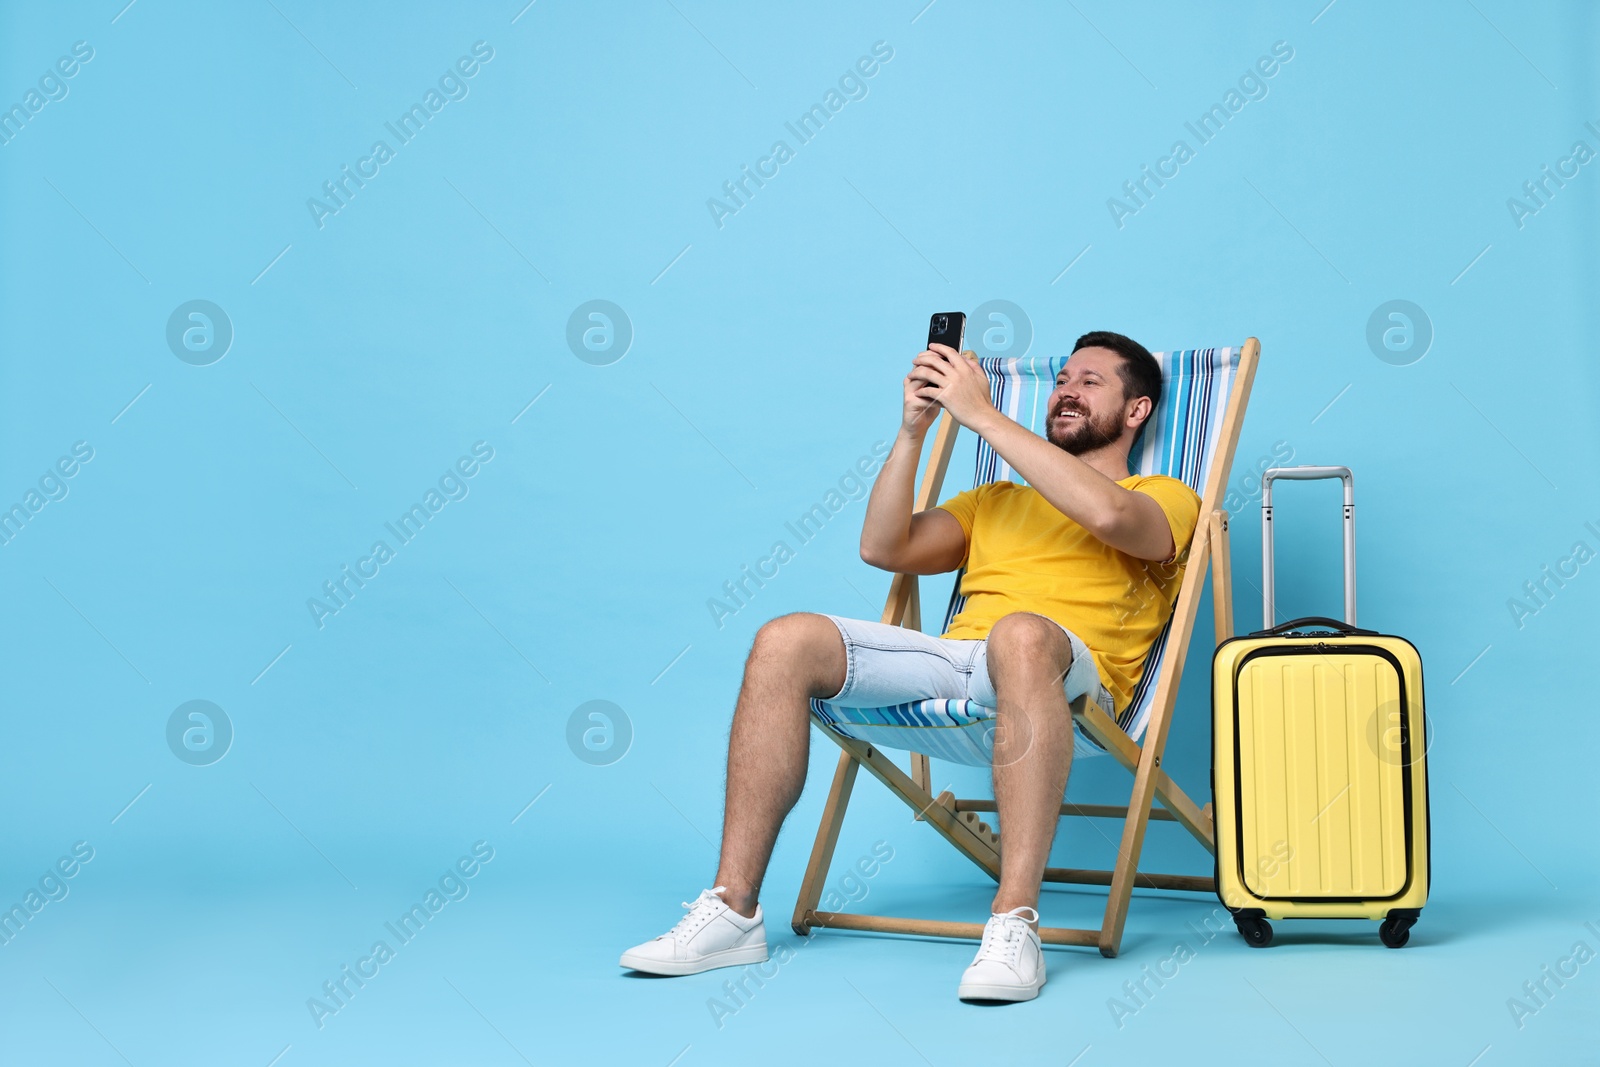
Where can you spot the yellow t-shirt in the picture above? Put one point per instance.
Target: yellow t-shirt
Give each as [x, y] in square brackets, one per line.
[1024, 555]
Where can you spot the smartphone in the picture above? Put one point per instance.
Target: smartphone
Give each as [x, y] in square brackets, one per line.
[948, 328]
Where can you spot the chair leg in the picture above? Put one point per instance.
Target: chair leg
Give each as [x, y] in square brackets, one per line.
[969, 834]
[964, 830]
[1148, 776]
[844, 780]
[921, 772]
[1127, 868]
[1221, 576]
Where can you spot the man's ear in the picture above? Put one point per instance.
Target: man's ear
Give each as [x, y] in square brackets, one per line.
[1141, 410]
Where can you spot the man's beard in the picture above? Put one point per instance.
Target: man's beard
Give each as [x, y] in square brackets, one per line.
[1085, 434]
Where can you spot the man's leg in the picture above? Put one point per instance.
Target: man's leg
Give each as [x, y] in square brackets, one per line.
[794, 658]
[1029, 656]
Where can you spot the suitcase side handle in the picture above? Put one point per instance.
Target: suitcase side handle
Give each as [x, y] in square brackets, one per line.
[1308, 473]
[1315, 620]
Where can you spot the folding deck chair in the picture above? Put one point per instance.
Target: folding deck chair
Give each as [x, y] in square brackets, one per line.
[1191, 436]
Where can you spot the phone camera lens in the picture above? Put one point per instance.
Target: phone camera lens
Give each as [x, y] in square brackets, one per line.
[941, 323]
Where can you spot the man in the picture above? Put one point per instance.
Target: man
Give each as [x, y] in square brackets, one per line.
[1068, 582]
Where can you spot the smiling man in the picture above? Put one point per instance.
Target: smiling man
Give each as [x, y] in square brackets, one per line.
[1069, 580]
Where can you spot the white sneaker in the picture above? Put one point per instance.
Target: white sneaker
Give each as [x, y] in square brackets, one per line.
[710, 935]
[1010, 962]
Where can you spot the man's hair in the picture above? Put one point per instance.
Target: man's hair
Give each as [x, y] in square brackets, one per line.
[1139, 371]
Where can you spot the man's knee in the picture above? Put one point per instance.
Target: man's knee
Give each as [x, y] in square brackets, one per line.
[1023, 640]
[805, 640]
[794, 632]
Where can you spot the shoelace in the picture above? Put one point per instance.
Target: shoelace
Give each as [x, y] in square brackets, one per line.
[701, 909]
[1002, 941]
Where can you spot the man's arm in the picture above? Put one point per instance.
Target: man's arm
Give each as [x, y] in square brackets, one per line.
[1125, 519]
[892, 538]
[1128, 521]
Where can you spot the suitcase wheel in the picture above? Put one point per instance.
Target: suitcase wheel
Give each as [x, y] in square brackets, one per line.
[1396, 930]
[1255, 930]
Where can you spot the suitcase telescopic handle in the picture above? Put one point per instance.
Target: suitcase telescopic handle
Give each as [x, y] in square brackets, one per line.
[1308, 474]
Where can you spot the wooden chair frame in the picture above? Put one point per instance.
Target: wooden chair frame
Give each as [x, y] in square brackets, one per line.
[957, 820]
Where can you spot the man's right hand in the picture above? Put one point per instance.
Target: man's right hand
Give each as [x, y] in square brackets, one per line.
[892, 538]
[918, 413]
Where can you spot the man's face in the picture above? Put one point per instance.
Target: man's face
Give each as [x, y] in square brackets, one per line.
[1087, 407]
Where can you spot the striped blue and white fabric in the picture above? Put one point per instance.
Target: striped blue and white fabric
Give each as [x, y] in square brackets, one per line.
[1180, 441]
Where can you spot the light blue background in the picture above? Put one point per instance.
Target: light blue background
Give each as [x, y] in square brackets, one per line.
[370, 353]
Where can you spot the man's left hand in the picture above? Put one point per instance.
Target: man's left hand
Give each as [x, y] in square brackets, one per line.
[956, 382]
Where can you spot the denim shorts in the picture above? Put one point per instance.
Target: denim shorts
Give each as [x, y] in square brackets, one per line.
[887, 665]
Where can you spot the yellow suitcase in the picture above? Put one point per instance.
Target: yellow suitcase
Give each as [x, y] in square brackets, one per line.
[1318, 764]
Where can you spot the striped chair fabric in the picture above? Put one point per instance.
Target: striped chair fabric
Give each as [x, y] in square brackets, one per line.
[1180, 441]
